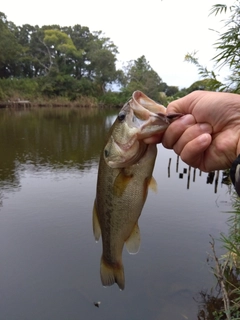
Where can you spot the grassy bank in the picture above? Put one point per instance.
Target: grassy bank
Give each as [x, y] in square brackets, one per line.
[223, 301]
[13, 91]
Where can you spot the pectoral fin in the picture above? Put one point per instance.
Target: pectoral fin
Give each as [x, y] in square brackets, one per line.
[133, 242]
[153, 184]
[149, 183]
[95, 222]
[121, 182]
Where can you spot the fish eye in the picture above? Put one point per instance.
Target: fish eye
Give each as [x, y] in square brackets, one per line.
[121, 116]
[106, 153]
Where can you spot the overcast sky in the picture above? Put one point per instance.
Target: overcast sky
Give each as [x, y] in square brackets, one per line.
[162, 30]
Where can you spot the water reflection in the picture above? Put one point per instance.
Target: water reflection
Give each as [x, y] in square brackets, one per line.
[193, 171]
[61, 138]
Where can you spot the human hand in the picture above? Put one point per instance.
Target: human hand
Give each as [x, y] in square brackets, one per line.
[208, 135]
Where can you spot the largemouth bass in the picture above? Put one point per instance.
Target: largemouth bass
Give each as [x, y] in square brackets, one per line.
[124, 175]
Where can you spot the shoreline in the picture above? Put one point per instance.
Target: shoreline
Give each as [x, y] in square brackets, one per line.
[28, 104]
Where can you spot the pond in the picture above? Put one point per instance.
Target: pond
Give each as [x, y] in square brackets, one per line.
[49, 259]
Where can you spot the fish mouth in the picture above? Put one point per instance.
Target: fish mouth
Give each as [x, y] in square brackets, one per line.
[150, 117]
[157, 123]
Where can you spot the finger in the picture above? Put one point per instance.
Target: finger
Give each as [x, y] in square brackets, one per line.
[190, 134]
[182, 105]
[186, 104]
[157, 138]
[176, 129]
[193, 152]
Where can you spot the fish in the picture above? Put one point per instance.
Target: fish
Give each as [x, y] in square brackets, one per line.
[124, 177]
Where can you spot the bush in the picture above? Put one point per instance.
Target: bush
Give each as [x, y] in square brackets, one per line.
[24, 89]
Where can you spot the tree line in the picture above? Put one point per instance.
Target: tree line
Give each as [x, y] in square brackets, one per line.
[73, 62]
[70, 62]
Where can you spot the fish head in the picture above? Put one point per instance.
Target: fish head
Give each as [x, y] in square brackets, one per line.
[123, 145]
[140, 118]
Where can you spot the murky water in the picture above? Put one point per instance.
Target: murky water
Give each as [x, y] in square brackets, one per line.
[49, 261]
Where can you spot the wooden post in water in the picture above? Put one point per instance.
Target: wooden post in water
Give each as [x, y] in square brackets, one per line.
[169, 164]
[177, 164]
[194, 174]
[188, 179]
[216, 182]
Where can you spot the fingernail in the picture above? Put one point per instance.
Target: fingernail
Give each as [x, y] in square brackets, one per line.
[204, 140]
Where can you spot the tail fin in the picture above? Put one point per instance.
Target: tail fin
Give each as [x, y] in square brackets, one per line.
[111, 274]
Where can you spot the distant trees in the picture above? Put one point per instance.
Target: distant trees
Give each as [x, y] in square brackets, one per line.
[10, 50]
[139, 75]
[70, 62]
[57, 52]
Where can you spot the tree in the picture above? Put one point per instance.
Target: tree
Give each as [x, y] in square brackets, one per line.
[171, 90]
[81, 37]
[139, 75]
[61, 59]
[228, 48]
[205, 84]
[101, 56]
[10, 50]
[228, 44]
[60, 49]
[209, 81]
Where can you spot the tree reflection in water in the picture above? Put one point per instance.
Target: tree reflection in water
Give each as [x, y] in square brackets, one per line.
[210, 176]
